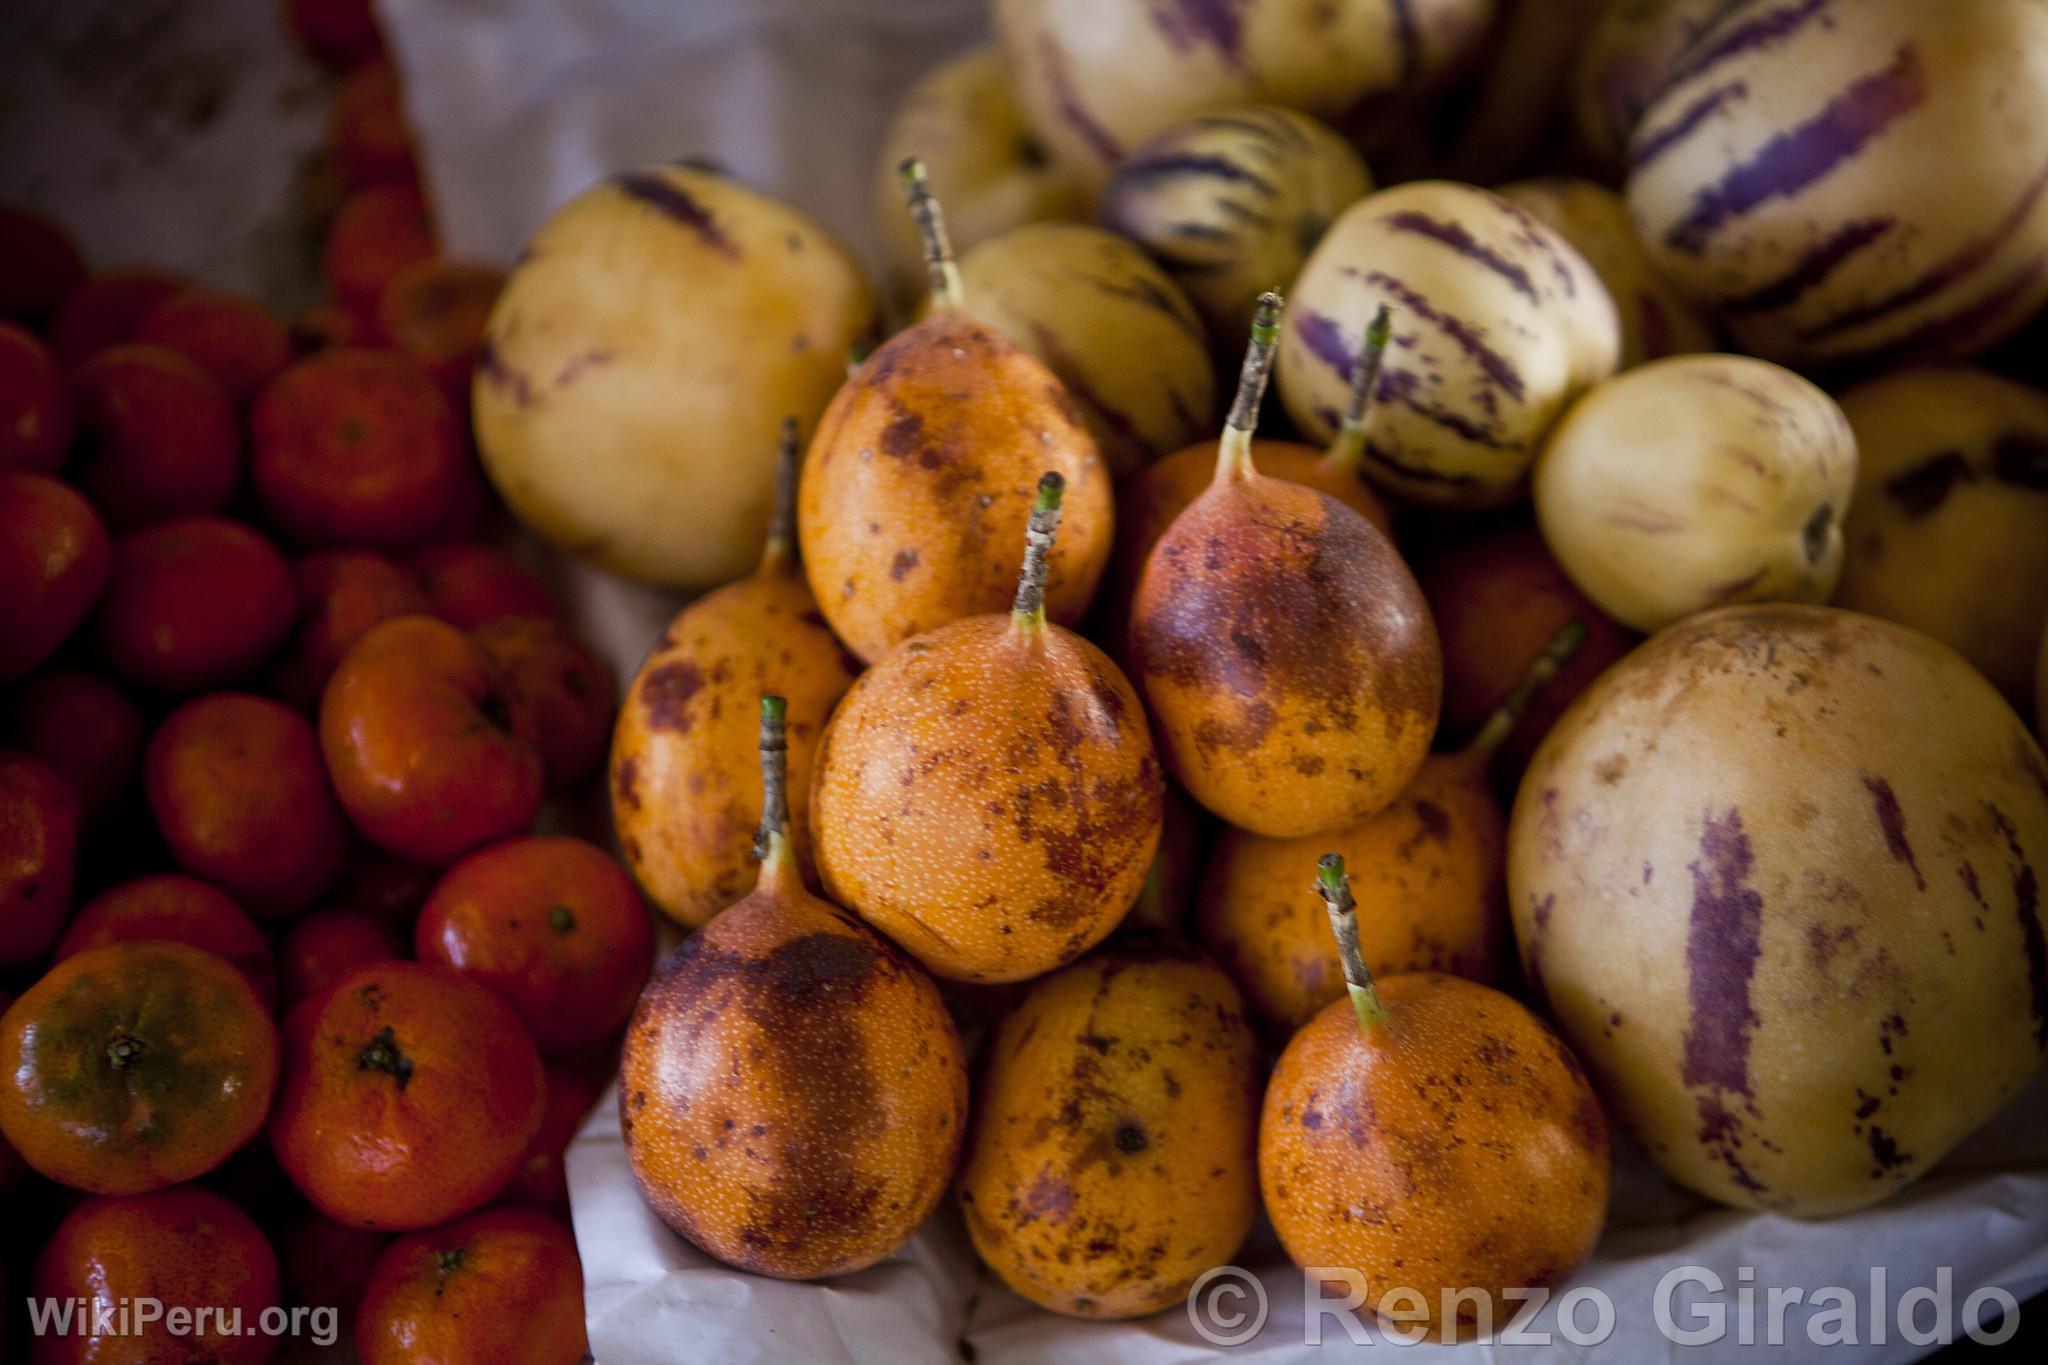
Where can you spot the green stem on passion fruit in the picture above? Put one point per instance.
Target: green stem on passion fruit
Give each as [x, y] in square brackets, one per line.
[1028, 611]
[931, 227]
[780, 549]
[1347, 448]
[857, 352]
[1335, 888]
[1234, 452]
[1542, 669]
[772, 843]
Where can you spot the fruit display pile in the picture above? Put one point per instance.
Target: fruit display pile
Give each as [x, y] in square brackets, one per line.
[1584, 706]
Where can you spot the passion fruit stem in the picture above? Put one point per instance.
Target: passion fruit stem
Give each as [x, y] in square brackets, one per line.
[1347, 449]
[771, 844]
[1029, 609]
[857, 352]
[931, 226]
[1234, 455]
[1336, 892]
[780, 549]
[1542, 669]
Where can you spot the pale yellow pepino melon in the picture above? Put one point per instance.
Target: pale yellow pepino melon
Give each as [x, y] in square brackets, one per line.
[1776, 876]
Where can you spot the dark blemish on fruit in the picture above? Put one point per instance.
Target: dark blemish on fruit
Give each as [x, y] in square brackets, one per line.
[516, 387]
[1611, 769]
[1720, 1132]
[1130, 1138]
[1459, 239]
[1802, 155]
[665, 695]
[903, 437]
[1434, 824]
[1884, 1150]
[1541, 912]
[1721, 951]
[625, 782]
[578, 363]
[2020, 460]
[1921, 489]
[1308, 765]
[675, 202]
[1892, 821]
[1050, 1198]
[902, 564]
[2026, 894]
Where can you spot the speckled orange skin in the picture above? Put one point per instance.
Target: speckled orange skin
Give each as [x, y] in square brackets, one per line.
[500, 1287]
[1161, 491]
[1496, 602]
[205, 1064]
[685, 773]
[1428, 872]
[1287, 656]
[1458, 1146]
[920, 479]
[793, 1092]
[186, 1247]
[988, 797]
[1112, 1156]
[375, 1153]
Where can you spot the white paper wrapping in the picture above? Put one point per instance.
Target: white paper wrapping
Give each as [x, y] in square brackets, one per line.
[520, 104]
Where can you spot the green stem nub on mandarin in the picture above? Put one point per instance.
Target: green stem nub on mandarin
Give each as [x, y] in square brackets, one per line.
[771, 844]
[1029, 608]
[1542, 669]
[931, 228]
[1234, 457]
[1348, 447]
[781, 546]
[1335, 889]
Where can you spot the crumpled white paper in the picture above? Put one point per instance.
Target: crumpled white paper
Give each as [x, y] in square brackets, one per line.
[521, 103]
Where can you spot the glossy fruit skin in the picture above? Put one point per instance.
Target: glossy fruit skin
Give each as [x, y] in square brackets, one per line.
[1697, 481]
[918, 483]
[136, 1066]
[543, 1179]
[793, 1091]
[558, 686]
[1826, 214]
[553, 926]
[102, 311]
[469, 585]
[442, 1295]
[412, 726]
[1430, 876]
[1948, 525]
[1113, 328]
[320, 948]
[988, 797]
[1287, 656]
[685, 779]
[1497, 600]
[1772, 824]
[1356, 1173]
[235, 341]
[35, 404]
[182, 910]
[1162, 490]
[192, 604]
[185, 1247]
[435, 311]
[239, 793]
[54, 560]
[341, 594]
[355, 447]
[595, 358]
[409, 1096]
[378, 232]
[1113, 1154]
[157, 436]
[39, 819]
[367, 137]
[84, 727]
